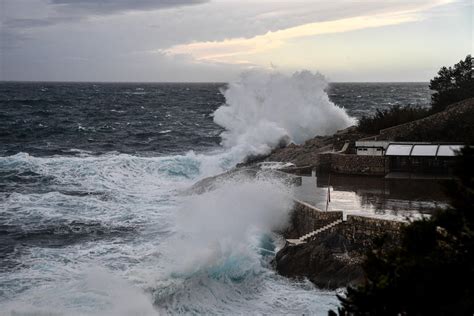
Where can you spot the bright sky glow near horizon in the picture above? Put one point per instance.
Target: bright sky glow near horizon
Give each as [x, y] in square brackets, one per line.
[215, 40]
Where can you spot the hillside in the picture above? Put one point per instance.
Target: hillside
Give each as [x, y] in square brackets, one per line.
[455, 124]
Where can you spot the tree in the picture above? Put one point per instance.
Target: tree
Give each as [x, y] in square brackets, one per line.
[452, 84]
[432, 271]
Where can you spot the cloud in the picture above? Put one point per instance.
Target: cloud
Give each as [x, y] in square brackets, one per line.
[234, 50]
[101, 7]
[63, 11]
[10, 39]
[214, 41]
[34, 23]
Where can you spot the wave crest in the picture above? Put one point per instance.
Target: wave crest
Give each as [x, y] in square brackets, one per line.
[262, 108]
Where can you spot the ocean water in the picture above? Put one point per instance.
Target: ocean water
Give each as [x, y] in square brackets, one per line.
[95, 216]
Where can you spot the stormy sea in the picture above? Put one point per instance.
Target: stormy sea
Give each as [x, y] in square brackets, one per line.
[96, 217]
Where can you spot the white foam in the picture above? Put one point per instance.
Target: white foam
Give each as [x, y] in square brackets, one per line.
[97, 290]
[263, 107]
[221, 223]
[197, 254]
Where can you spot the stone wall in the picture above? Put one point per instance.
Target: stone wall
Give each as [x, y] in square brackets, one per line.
[359, 231]
[333, 258]
[352, 164]
[305, 219]
[323, 160]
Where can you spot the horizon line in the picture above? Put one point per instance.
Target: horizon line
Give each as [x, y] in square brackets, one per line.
[175, 82]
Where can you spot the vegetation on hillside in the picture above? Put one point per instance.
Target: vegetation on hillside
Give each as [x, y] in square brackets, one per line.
[431, 272]
[451, 85]
[459, 128]
[390, 117]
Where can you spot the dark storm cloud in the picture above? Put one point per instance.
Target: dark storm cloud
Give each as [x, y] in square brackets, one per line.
[75, 10]
[95, 7]
[32, 23]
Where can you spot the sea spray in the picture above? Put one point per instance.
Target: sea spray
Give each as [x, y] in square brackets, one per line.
[262, 108]
[220, 231]
[215, 264]
[97, 290]
[222, 223]
[191, 254]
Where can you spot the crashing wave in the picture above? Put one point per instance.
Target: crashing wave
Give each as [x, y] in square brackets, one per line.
[265, 110]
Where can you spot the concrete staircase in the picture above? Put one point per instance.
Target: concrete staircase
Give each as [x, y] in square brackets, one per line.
[305, 238]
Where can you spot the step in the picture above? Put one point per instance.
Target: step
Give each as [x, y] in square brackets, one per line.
[319, 230]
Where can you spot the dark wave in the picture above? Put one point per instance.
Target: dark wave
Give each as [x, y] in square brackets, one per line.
[50, 119]
[16, 239]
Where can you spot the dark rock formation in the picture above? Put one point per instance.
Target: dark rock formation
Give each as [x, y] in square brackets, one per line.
[306, 154]
[240, 174]
[211, 183]
[328, 262]
[332, 259]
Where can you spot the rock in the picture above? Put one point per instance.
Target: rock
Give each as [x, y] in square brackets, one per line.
[211, 183]
[329, 262]
[306, 154]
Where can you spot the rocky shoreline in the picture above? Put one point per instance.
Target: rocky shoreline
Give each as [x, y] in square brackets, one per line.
[333, 259]
[454, 124]
[328, 262]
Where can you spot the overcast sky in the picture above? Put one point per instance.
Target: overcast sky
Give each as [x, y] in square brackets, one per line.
[215, 40]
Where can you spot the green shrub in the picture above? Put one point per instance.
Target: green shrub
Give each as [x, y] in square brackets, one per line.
[451, 85]
[390, 117]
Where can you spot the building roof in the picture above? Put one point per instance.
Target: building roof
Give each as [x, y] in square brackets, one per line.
[398, 150]
[422, 150]
[448, 150]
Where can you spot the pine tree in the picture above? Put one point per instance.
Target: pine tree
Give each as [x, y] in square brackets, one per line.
[452, 84]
